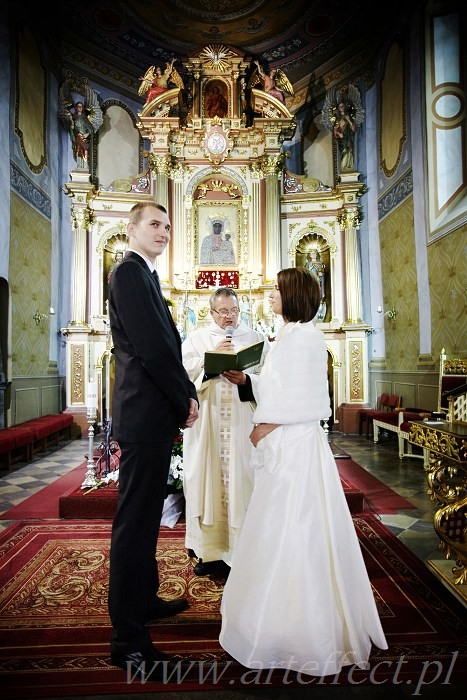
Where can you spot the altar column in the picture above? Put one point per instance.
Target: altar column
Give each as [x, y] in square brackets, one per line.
[352, 276]
[349, 221]
[79, 189]
[78, 330]
[161, 165]
[179, 215]
[356, 339]
[272, 222]
[253, 254]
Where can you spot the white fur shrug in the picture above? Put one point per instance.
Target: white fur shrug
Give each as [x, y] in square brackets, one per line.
[293, 384]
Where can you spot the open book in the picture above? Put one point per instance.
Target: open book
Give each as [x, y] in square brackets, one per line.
[216, 362]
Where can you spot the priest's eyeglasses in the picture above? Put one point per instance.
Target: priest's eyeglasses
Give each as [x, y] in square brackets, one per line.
[227, 312]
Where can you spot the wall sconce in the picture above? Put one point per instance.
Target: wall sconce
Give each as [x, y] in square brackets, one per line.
[392, 313]
[38, 317]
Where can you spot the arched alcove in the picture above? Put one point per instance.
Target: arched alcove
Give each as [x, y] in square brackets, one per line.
[118, 134]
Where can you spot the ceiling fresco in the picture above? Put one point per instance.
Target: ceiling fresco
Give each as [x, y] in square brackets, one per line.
[298, 35]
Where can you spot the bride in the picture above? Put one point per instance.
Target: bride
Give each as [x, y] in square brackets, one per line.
[298, 596]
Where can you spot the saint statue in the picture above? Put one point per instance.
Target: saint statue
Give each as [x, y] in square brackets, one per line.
[314, 264]
[81, 117]
[342, 113]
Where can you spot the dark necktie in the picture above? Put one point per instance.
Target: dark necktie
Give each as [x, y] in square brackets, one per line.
[164, 303]
[158, 283]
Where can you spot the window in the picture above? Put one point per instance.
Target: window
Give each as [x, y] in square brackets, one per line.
[446, 118]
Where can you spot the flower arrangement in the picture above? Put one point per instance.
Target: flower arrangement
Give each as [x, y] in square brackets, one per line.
[110, 479]
[175, 479]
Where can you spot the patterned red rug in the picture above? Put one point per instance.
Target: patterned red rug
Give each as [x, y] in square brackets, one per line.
[54, 627]
[64, 498]
[363, 492]
[101, 503]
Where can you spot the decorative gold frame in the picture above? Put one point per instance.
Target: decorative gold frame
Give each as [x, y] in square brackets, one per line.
[223, 90]
[229, 213]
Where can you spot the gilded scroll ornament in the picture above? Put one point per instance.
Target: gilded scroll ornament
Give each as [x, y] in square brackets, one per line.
[350, 218]
[77, 373]
[448, 489]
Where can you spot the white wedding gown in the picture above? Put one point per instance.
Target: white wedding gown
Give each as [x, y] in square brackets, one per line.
[298, 595]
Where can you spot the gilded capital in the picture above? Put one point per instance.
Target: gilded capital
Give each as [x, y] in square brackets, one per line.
[81, 218]
[350, 218]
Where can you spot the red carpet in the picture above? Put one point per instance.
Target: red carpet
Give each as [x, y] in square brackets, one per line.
[54, 627]
[44, 503]
[379, 498]
[65, 499]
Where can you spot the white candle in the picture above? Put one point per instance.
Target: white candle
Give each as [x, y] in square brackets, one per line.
[107, 387]
[91, 395]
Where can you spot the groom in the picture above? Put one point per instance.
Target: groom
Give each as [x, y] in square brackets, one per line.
[152, 398]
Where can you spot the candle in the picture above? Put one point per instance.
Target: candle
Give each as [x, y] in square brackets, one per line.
[91, 395]
[107, 387]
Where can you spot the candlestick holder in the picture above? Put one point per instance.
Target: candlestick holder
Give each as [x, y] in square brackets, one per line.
[253, 280]
[90, 479]
[187, 310]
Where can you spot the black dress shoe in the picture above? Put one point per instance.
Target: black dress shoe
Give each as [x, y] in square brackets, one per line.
[167, 608]
[216, 568]
[146, 666]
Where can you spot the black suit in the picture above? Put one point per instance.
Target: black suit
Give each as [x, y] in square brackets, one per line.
[151, 398]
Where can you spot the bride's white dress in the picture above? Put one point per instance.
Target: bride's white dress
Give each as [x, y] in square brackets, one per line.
[298, 595]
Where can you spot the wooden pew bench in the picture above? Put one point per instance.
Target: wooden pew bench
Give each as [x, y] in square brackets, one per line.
[386, 413]
[19, 442]
[49, 430]
[398, 422]
[16, 444]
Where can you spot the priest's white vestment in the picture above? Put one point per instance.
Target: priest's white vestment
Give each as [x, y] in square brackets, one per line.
[217, 477]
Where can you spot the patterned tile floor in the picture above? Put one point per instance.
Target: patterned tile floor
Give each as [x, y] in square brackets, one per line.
[24, 480]
[414, 527]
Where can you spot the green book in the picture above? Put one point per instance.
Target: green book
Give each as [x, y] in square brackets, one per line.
[216, 362]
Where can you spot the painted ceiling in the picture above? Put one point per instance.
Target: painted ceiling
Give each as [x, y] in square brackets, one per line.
[297, 35]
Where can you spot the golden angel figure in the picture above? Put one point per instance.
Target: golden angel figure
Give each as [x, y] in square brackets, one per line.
[155, 82]
[275, 82]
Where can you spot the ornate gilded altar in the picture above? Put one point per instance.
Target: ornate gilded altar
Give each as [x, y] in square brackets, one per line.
[227, 170]
[447, 483]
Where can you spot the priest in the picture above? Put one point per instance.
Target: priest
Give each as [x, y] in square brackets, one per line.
[218, 480]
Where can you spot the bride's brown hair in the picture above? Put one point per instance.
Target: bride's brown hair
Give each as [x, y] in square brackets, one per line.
[300, 294]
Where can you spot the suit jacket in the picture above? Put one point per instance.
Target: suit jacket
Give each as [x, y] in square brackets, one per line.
[152, 389]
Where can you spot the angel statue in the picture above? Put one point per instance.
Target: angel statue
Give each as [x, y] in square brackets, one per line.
[275, 82]
[155, 82]
[81, 117]
[342, 112]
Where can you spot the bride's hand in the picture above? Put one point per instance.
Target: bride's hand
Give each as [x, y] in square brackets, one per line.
[261, 430]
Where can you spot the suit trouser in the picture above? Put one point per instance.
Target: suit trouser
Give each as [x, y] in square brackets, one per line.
[133, 576]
